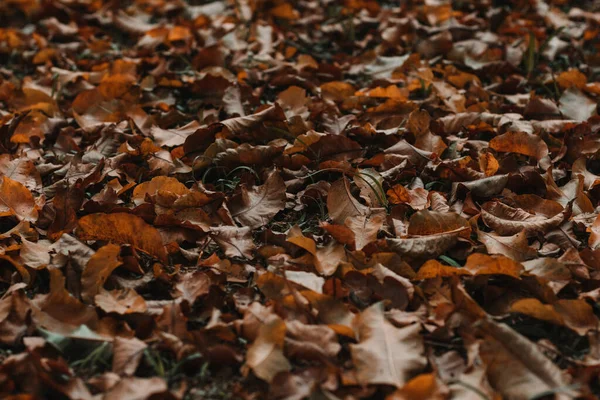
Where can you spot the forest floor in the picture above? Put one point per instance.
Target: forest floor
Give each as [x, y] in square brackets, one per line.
[313, 199]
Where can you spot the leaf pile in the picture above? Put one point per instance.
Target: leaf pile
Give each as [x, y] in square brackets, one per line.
[313, 199]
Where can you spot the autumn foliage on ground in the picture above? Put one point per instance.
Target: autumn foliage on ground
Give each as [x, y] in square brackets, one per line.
[268, 199]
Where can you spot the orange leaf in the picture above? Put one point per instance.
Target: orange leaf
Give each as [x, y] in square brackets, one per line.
[122, 228]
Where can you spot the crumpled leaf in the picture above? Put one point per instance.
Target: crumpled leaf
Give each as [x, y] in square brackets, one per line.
[576, 314]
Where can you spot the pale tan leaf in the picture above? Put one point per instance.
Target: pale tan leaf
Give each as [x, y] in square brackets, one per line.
[386, 354]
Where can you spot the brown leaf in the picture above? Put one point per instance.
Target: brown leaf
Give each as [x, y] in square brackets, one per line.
[515, 246]
[430, 234]
[571, 78]
[235, 242]
[521, 143]
[430, 246]
[59, 305]
[306, 279]
[34, 255]
[423, 223]
[255, 207]
[311, 342]
[173, 137]
[576, 314]
[159, 183]
[17, 200]
[433, 269]
[515, 366]
[594, 240]
[341, 204]
[424, 386]
[122, 228]
[326, 259]
[265, 355]
[21, 170]
[247, 123]
[576, 105]
[334, 148]
[122, 302]
[342, 234]
[365, 228]
[482, 264]
[337, 90]
[550, 271]
[138, 388]
[507, 220]
[386, 354]
[193, 285]
[98, 270]
[127, 354]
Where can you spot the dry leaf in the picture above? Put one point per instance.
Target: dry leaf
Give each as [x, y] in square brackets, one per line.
[386, 354]
[122, 228]
[256, 206]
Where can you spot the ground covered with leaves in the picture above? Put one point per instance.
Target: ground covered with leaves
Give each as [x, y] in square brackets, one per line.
[314, 199]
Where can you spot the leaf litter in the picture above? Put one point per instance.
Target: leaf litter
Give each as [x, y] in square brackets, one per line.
[267, 199]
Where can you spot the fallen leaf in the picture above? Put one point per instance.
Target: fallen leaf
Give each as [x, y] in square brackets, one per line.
[265, 355]
[341, 204]
[17, 200]
[127, 354]
[386, 354]
[521, 143]
[515, 246]
[138, 388]
[235, 242]
[576, 105]
[507, 220]
[482, 264]
[98, 270]
[124, 229]
[256, 206]
[515, 366]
